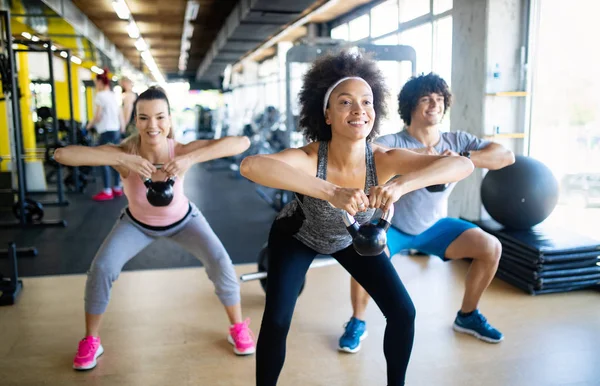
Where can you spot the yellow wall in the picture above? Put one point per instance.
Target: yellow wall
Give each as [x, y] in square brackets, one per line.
[89, 96]
[62, 95]
[27, 126]
[4, 138]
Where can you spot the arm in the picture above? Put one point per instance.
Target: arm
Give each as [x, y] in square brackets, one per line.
[128, 108]
[202, 151]
[416, 171]
[95, 118]
[494, 156]
[75, 155]
[294, 170]
[206, 150]
[109, 155]
[419, 171]
[287, 170]
[122, 123]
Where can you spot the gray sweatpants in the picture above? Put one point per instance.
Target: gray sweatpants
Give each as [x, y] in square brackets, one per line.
[127, 238]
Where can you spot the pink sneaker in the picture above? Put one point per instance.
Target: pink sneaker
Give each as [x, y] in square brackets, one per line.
[88, 351]
[117, 192]
[242, 338]
[103, 196]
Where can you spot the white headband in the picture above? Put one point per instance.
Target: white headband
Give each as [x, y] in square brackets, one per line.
[333, 86]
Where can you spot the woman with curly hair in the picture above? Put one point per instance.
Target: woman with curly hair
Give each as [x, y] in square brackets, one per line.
[342, 102]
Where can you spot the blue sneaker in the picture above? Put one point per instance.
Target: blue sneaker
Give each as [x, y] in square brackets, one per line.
[356, 331]
[477, 325]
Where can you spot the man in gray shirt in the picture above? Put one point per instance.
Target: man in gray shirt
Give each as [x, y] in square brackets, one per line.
[422, 223]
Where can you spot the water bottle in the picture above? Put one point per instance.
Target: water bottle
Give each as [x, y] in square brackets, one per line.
[496, 75]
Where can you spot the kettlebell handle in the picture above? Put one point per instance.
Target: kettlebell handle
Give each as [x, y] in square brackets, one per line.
[170, 180]
[387, 216]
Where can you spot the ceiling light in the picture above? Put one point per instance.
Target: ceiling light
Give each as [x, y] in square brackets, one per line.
[26, 35]
[97, 70]
[75, 60]
[64, 54]
[133, 30]
[188, 30]
[141, 45]
[53, 47]
[191, 10]
[146, 55]
[121, 9]
[34, 38]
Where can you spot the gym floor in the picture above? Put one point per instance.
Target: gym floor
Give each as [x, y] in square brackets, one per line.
[165, 326]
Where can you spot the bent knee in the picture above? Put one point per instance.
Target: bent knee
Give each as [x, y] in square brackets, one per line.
[403, 314]
[493, 249]
[101, 270]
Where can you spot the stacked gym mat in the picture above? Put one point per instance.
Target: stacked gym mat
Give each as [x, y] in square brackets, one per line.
[546, 259]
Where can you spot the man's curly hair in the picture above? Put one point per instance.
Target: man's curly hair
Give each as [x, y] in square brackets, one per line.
[418, 87]
[324, 72]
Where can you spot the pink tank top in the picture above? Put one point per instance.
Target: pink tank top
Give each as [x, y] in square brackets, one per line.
[158, 216]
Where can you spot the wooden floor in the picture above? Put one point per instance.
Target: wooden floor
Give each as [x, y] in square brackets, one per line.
[167, 328]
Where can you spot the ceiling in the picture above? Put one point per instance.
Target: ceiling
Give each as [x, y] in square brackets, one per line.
[161, 25]
[224, 30]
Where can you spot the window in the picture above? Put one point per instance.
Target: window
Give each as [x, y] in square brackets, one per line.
[340, 32]
[396, 75]
[385, 18]
[412, 9]
[420, 39]
[441, 6]
[359, 28]
[565, 113]
[442, 60]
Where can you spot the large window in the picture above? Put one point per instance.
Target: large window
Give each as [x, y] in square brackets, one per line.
[565, 109]
[359, 28]
[419, 38]
[340, 32]
[385, 18]
[442, 46]
[412, 9]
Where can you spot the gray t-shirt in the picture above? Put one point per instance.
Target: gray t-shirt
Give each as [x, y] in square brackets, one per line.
[416, 211]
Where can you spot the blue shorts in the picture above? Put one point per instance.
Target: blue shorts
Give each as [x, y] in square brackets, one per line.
[433, 241]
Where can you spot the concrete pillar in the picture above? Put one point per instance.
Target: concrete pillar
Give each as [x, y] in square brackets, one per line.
[485, 32]
[469, 30]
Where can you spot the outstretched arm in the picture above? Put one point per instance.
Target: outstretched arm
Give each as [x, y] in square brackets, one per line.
[204, 150]
[109, 155]
[415, 171]
[294, 170]
[494, 156]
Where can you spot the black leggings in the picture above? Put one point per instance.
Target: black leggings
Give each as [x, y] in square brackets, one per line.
[288, 262]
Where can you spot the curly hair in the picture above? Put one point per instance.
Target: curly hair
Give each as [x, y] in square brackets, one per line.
[418, 87]
[324, 72]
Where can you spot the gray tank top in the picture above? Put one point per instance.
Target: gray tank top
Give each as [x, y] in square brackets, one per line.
[322, 227]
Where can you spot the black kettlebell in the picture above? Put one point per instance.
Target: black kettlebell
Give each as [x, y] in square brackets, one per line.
[159, 193]
[437, 188]
[369, 239]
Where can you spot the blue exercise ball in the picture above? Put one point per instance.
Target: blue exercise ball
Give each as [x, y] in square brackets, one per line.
[521, 195]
